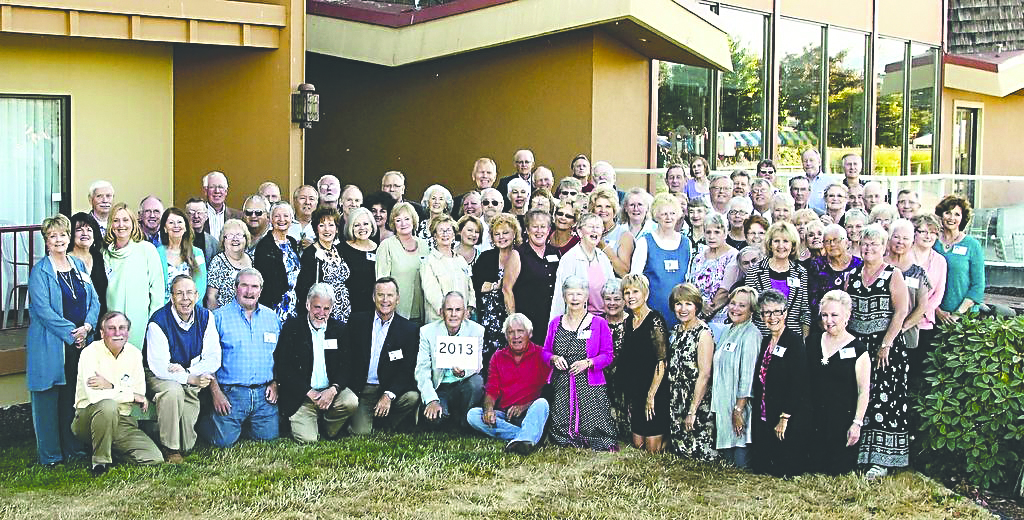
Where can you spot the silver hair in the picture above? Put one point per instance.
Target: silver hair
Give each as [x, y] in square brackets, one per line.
[857, 214]
[839, 297]
[784, 198]
[97, 185]
[449, 294]
[281, 204]
[874, 232]
[321, 290]
[835, 229]
[772, 296]
[716, 220]
[206, 178]
[901, 223]
[259, 200]
[612, 286]
[740, 203]
[575, 282]
[521, 319]
[751, 249]
[517, 183]
[248, 271]
[448, 201]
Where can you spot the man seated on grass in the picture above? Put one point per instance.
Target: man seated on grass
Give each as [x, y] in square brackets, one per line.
[310, 367]
[513, 409]
[110, 381]
[182, 354]
[384, 346]
[243, 390]
[449, 391]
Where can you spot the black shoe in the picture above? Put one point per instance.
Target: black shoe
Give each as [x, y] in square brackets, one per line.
[99, 469]
[520, 447]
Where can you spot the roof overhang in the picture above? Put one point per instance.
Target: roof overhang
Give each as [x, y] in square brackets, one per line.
[996, 75]
[671, 30]
[217, 22]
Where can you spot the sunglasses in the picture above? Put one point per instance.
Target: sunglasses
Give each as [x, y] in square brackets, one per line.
[254, 212]
[490, 202]
[564, 214]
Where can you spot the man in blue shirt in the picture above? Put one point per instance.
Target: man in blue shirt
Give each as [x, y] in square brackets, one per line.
[244, 391]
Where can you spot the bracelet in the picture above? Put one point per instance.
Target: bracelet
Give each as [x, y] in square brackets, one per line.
[691, 413]
[738, 408]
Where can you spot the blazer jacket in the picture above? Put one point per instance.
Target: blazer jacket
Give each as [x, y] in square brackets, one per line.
[269, 261]
[293, 361]
[402, 343]
[428, 376]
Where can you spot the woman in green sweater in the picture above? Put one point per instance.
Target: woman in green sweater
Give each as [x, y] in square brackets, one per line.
[965, 260]
[134, 272]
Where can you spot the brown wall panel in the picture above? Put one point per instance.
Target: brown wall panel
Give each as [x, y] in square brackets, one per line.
[621, 103]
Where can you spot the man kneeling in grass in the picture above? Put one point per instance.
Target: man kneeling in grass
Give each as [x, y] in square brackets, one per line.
[110, 381]
[513, 409]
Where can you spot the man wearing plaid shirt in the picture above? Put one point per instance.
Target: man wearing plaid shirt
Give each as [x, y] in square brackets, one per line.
[244, 391]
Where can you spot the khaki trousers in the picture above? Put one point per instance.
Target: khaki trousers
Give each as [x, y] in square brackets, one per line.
[304, 421]
[177, 410]
[362, 420]
[105, 429]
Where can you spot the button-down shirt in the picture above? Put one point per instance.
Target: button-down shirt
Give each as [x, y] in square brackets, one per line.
[318, 381]
[216, 220]
[152, 239]
[818, 187]
[380, 332]
[247, 345]
[300, 232]
[158, 351]
[123, 371]
[510, 383]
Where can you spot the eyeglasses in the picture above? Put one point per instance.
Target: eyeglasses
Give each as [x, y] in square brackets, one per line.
[217, 188]
[830, 241]
[254, 212]
[773, 314]
[490, 202]
[720, 188]
[181, 294]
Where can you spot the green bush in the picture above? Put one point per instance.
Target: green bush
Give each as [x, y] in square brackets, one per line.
[972, 407]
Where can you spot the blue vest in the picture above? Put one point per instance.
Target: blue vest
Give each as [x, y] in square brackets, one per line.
[184, 345]
[663, 281]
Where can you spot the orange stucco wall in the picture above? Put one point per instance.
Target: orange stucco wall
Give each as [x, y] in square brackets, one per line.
[1000, 120]
[432, 120]
[621, 106]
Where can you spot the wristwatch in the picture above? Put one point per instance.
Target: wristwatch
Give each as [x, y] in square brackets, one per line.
[390, 394]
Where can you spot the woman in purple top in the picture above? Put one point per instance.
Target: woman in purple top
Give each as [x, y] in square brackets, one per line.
[829, 271]
[780, 271]
[698, 186]
[578, 347]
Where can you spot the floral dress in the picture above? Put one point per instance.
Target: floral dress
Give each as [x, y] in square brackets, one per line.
[286, 307]
[492, 316]
[683, 371]
[222, 277]
[616, 386]
[334, 271]
[884, 439]
[709, 273]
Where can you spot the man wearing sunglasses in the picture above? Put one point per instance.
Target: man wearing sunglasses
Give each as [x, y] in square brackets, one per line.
[256, 216]
[492, 203]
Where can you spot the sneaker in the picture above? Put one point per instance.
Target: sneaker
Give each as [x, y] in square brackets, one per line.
[876, 472]
[99, 469]
[520, 447]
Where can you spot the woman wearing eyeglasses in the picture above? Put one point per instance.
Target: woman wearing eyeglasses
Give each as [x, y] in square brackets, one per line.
[587, 261]
[563, 235]
[829, 271]
[322, 262]
[923, 253]
[780, 413]
[233, 257]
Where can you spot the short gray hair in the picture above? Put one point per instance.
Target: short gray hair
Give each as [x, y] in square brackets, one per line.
[837, 296]
[248, 271]
[321, 290]
[259, 199]
[874, 232]
[517, 183]
[449, 294]
[772, 296]
[521, 319]
[740, 203]
[612, 286]
[575, 282]
[448, 201]
[855, 214]
[716, 220]
[835, 229]
[97, 185]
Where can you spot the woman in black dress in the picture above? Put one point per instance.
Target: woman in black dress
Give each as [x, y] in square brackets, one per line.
[838, 379]
[360, 253]
[643, 364]
[532, 273]
[87, 245]
[780, 419]
[491, 285]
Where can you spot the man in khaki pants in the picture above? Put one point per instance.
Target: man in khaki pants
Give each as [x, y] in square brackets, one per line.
[110, 381]
[310, 369]
[182, 354]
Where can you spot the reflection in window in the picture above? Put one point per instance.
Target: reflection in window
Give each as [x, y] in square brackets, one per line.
[684, 112]
[922, 107]
[846, 52]
[741, 116]
[889, 68]
[799, 46]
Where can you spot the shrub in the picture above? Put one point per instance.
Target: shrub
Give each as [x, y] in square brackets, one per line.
[972, 407]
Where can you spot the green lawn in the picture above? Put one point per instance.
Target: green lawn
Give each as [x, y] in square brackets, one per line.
[442, 476]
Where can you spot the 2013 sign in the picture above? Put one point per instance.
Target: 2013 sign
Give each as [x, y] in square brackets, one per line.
[457, 352]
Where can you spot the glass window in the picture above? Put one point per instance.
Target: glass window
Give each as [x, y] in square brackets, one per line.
[799, 46]
[922, 107]
[684, 112]
[32, 157]
[889, 70]
[741, 114]
[846, 63]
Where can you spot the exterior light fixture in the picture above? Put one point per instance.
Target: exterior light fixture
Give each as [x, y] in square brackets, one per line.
[306, 106]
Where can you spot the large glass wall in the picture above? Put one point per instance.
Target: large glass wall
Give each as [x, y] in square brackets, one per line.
[684, 112]
[921, 127]
[799, 47]
[846, 64]
[889, 78]
[741, 112]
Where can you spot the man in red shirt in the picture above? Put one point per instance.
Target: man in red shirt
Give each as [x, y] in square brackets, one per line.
[513, 409]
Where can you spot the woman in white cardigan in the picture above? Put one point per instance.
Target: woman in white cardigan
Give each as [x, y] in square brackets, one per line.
[587, 261]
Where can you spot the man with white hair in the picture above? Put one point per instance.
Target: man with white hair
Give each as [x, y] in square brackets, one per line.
[874, 194]
[256, 211]
[811, 162]
[270, 191]
[215, 188]
[720, 193]
[351, 198]
[603, 173]
[543, 178]
[329, 191]
[101, 198]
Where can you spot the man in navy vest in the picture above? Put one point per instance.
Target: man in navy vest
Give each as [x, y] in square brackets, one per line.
[182, 354]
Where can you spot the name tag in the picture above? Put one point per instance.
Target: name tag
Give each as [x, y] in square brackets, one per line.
[779, 351]
[269, 337]
[584, 334]
[793, 281]
[885, 275]
[457, 352]
[959, 250]
[913, 283]
[729, 347]
[330, 344]
[551, 258]
[395, 355]
[671, 265]
[371, 256]
[422, 258]
[847, 353]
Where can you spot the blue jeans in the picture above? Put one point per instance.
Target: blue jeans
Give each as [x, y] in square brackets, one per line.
[738, 457]
[52, 413]
[459, 397]
[250, 414]
[530, 425]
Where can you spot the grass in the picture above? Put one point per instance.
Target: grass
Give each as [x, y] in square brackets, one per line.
[444, 476]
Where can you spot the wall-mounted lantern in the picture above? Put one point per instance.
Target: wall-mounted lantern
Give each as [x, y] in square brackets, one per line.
[306, 106]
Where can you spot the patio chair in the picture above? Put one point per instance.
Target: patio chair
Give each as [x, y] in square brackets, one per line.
[16, 265]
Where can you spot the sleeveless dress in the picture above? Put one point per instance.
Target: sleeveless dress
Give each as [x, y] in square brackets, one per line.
[643, 348]
[698, 444]
[708, 274]
[492, 315]
[580, 414]
[616, 383]
[832, 395]
[662, 281]
[884, 437]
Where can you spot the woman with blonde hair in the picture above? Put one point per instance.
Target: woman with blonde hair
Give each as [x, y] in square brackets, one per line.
[491, 285]
[643, 364]
[400, 257]
[233, 257]
[733, 378]
[615, 241]
[136, 281]
[663, 256]
[779, 270]
[444, 271]
[690, 364]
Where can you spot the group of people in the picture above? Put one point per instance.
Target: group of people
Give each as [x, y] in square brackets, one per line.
[777, 329]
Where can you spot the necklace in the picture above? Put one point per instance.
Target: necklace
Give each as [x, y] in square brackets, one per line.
[415, 246]
[65, 276]
[825, 354]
